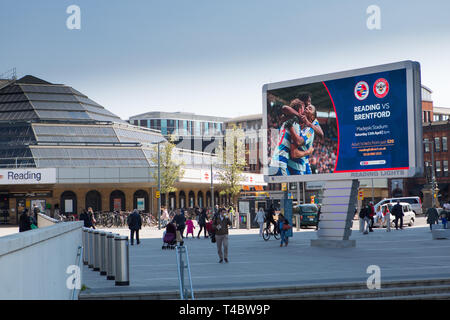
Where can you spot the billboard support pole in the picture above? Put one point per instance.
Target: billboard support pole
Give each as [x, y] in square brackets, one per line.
[337, 212]
[373, 201]
[304, 195]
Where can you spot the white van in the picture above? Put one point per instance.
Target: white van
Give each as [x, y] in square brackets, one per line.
[408, 219]
[415, 202]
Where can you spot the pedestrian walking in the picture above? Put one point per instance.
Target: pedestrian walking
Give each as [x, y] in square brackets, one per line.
[36, 210]
[183, 214]
[91, 216]
[432, 216]
[259, 218]
[361, 219]
[190, 227]
[24, 221]
[365, 218]
[283, 226]
[202, 219]
[134, 222]
[443, 217]
[220, 225]
[371, 216]
[180, 223]
[379, 216]
[445, 214]
[85, 218]
[397, 211]
[231, 214]
[318, 217]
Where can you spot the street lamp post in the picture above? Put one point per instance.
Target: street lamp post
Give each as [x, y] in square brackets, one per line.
[159, 188]
[433, 174]
[159, 182]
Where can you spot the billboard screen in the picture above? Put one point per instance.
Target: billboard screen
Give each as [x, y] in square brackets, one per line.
[354, 124]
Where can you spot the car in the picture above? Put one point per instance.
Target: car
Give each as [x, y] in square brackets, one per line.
[409, 217]
[308, 214]
[415, 202]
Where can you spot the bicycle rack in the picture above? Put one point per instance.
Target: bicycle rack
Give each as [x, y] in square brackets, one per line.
[183, 269]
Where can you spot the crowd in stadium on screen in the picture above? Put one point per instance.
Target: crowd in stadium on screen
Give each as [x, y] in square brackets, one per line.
[324, 156]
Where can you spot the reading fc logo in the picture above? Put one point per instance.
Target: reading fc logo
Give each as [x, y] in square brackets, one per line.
[381, 88]
[361, 90]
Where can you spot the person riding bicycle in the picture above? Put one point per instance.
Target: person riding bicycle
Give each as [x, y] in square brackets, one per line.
[269, 218]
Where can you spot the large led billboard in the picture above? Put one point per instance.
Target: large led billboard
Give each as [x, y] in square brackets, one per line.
[363, 123]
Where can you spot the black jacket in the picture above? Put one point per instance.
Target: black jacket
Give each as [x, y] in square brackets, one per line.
[269, 216]
[365, 212]
[87, 220]
[134, 221]
[180, 221]
[397, 210]
[202, 218]
[24, 222]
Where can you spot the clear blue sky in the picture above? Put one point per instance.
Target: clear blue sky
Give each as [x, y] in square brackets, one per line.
[212, 57]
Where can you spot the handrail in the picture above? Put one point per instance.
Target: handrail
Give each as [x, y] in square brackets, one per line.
[184, 292]
[77, 263]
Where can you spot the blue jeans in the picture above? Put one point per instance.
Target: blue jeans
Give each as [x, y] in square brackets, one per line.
[284, 239]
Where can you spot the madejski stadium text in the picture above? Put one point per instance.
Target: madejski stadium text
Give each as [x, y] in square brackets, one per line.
[24, 176]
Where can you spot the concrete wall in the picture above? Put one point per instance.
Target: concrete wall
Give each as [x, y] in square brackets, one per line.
[45, 221]
[33, 264]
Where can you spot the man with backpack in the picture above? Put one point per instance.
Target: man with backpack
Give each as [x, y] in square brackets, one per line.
[134, 222]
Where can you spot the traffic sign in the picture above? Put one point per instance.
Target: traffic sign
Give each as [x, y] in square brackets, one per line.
[360, 195]
[157, 195]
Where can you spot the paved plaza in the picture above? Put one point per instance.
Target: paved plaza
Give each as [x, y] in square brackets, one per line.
[404, 254]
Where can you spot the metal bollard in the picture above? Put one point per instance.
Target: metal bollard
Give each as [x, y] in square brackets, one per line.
[96, 250]
[122, 261]
[103, 266]
[297, 221]
[111, 254]
[85, 245]
[91, 248]
[248, 221]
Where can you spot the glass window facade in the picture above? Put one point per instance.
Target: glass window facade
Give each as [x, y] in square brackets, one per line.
[445, 168]
[426, 145]
[438, 168]
[53, 102]
[437, 144]
[88, 157]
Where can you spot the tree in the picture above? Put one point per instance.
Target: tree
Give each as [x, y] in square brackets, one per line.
[171, 170]
[232, 162]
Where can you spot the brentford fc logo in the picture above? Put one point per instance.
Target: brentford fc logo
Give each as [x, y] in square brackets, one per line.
[361, 90]
[381, 88]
